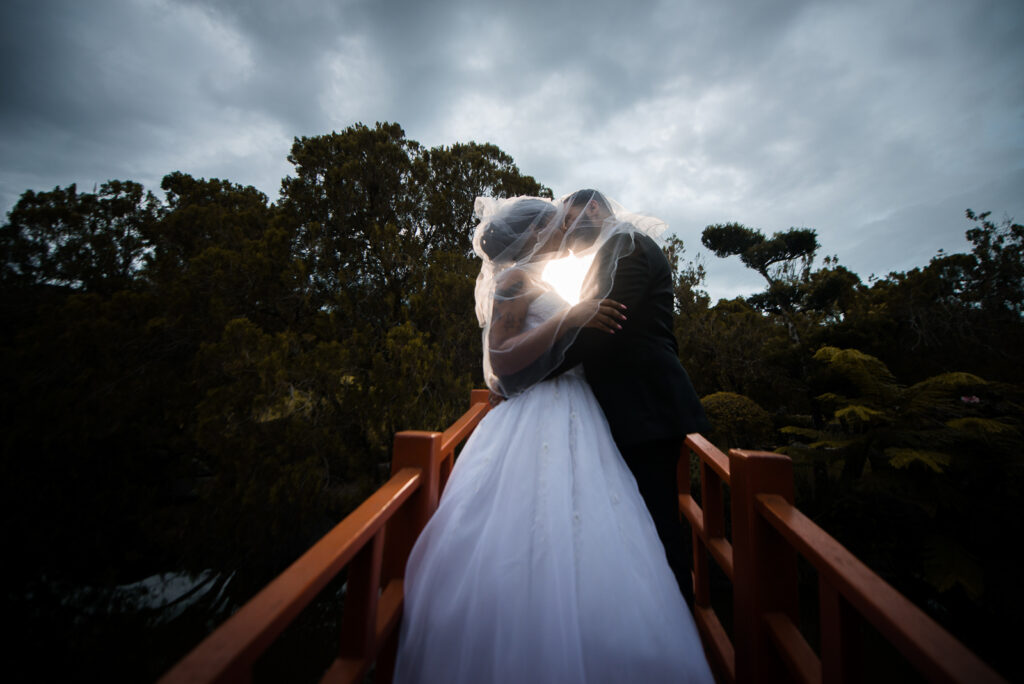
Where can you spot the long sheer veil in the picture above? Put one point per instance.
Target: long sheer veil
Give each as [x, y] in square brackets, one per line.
[527, 326]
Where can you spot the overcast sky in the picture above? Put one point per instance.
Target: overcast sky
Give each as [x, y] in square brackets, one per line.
[875, 122]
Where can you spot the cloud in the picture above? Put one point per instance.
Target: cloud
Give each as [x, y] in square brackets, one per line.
[861, 120]
[127, 90]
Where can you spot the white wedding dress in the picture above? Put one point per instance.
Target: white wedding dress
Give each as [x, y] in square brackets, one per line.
[541, 563]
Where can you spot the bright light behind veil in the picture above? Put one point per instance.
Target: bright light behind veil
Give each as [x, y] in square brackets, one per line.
[566, 275]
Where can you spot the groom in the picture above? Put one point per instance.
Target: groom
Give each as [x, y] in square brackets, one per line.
[635, 374]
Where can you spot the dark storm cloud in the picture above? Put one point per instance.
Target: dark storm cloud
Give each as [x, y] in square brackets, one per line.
[876, 123]
[285, 44]
[112, 89]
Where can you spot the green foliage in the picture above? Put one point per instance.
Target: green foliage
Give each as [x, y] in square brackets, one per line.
[466, 171]
[82, 241]
[868, 415]
[211, 381]
[737, 422]
[903, 458]
[688, 280]
[995, 277]
[961, 311]
[881, 460]
[784, 260]
[983, 428]
[948, 564]
[731, 347]
[731, 239]
[941, 458]
[868, 376]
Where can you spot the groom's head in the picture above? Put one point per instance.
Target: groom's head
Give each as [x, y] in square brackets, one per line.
[585, 213]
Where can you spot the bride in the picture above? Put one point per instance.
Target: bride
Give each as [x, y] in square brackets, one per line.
[541, 563]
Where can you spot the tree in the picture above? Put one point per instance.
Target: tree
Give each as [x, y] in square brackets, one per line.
[921, 481]
[687, 280]
[461, 173]
[960, 312]
[210, 382]
[996, 276]
[382, 231]
[91, 242]
[784, 261]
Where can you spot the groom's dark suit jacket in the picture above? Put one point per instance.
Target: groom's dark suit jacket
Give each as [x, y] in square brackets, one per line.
[635, 373]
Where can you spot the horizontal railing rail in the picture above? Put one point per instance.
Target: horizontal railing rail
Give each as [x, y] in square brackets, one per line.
[373, 542]
[759, 558]
[707, 522]
[768, 534]
[846, 584]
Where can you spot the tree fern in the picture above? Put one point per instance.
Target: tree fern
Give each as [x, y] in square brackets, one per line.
[984, 428]
[947, 564]
[903, 458]
[857, 417]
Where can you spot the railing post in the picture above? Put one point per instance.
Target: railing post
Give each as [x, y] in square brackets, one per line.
[764, 565]
[476, 396]
[359, 617]
[840, 636]
[712, 505]
[415, 449]
[683, 483]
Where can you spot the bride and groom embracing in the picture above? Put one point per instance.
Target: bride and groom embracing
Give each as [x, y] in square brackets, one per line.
[554, 552]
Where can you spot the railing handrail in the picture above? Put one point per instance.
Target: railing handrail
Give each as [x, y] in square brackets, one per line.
[707, 522]
[461, 428]
[418, 474]
[247, 633]
[768, 533]
[933, 650]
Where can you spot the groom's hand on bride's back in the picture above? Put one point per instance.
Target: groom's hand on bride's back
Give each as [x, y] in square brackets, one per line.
[599, 314]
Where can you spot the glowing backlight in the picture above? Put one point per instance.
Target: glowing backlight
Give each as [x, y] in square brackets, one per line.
[566, 276]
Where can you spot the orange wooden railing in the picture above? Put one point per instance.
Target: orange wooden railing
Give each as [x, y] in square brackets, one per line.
[374, 542]
[760, 559]
[768, 533]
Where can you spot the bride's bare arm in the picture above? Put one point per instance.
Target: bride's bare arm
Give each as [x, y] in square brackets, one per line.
[513, 295]
[512, 349]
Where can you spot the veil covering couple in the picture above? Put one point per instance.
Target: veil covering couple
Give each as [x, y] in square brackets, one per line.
[556, 553]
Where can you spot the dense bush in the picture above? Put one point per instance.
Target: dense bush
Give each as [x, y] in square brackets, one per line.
[737, 421]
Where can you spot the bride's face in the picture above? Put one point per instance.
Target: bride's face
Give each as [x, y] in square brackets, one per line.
[552, 239]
